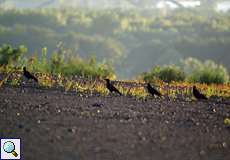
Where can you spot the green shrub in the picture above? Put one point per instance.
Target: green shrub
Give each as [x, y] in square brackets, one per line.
[205, 72]
[87, 68]
[10, 55]
[60, 62]
[167, 73]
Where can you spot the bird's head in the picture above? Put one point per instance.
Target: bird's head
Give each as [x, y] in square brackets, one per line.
[194, 87]
[148, 84]
[24, 68]
[107, 80]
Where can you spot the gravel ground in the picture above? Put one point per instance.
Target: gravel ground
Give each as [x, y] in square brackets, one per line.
[55, 125]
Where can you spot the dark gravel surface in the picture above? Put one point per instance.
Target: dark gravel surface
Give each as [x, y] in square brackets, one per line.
[55, 125]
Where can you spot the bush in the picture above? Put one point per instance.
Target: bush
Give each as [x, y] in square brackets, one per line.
[205, 72]
[60, 62]
[167, 73]
[10, 55]
[87, 68]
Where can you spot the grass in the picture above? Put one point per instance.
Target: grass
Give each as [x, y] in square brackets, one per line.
[130, 88]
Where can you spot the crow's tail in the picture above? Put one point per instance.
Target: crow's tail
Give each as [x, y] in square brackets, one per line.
[35, 79]
[119, 93]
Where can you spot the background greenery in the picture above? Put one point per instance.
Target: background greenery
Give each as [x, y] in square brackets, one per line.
[132, 41]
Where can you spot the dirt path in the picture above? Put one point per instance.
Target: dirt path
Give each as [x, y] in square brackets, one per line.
[56, 126]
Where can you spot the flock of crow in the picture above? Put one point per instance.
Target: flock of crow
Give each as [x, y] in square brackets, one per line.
[112, 88]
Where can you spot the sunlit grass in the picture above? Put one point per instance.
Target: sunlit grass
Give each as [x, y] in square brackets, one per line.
[129, 88]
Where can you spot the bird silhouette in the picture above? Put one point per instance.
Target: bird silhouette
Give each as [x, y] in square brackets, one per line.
[111, 88]
[153, 91]
[198, 95]
[28, 75]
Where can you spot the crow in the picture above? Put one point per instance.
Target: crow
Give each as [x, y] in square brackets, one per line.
[153, 91]
[111, 88]
[198, 95]
[28, 75]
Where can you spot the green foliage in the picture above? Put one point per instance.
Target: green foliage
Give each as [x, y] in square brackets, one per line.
[87, 68]
[193, 71]
[61, 62]
[205, 72]
[167, 73]
[10, 55]
[120, 37]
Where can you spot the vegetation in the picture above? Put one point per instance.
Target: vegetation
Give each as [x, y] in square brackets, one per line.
[191, 70]
[205, 72]
[121, 38]
[61, 62]
[167, 73]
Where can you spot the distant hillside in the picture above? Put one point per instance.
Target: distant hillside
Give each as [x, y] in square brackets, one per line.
[220, 5]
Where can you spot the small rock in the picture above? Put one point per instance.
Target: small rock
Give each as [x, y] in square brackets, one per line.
[71, 130]
[163, 138]
[144, 120]
[139, 133]
[39, 121]
[58, 137]
[20, 126]
[121, 121]
[97, 149]
[202, 153]
[224, 144]
[6, 101]
[28, 130]
[18, 114]
[132, 146]
[143, 139]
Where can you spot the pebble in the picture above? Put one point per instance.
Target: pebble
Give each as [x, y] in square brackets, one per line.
[39, 121]
[163, 138]
[202, 152]
[58, 137]
[144, 120]
[20, 126]
[6, 101]
[97, 149]
[71, 130]
[225, 145]
[139, 133]
[28, 129]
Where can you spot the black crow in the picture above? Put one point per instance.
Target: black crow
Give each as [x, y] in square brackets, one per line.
[111, 88]
[28, 75]
[152, 90]
[197, 94]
